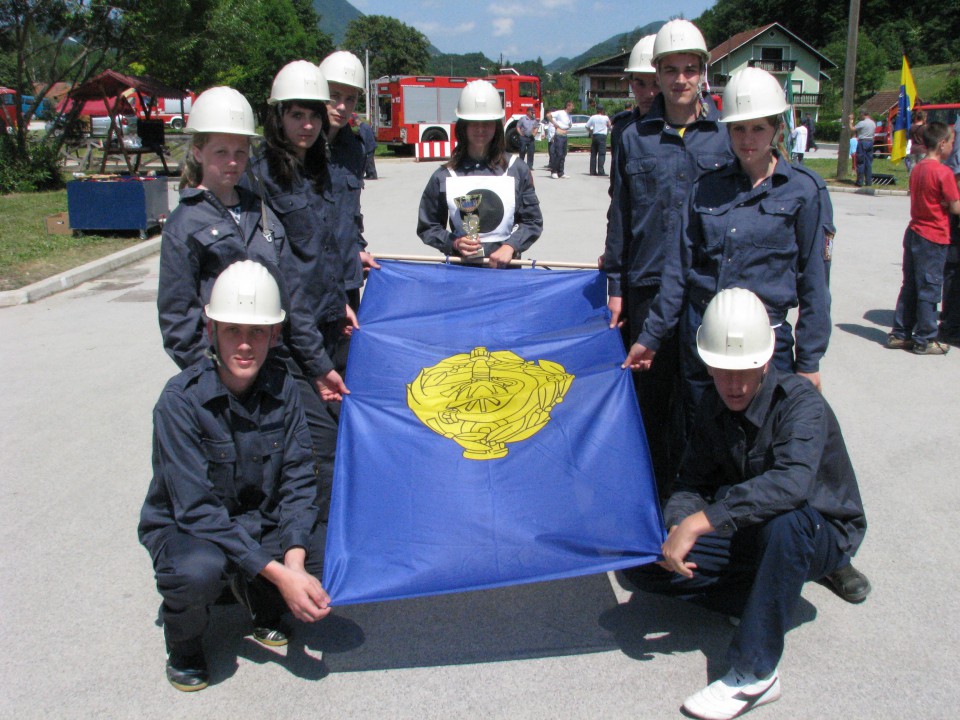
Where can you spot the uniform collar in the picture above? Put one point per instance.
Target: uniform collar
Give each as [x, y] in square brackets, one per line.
[759, 408]
[658, 113]
[211, 387]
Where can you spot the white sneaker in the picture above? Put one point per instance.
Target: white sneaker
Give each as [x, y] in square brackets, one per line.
[554, 176]
[733, 695]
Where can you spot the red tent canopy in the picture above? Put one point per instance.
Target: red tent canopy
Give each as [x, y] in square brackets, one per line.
[110, 84]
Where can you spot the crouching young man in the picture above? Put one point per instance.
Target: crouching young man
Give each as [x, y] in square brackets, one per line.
[233, 495]
[766, 499]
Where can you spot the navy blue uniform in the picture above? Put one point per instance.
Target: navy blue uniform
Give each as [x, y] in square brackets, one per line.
[310, 219]
[233, 488]
[655, 167]
[201, 239]
[777, 484]
[434, 214]
[346, 165]
[768, 239]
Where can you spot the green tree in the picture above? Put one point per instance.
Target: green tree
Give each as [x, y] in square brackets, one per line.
[871, 68]
[395, 48]
[45, 42]
[253, 40]
[171, 42]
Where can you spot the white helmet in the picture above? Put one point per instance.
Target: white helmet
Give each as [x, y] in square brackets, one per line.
[752, 93]
[344, 68]
[246, 294]
[641, 56]
[736, 332]
[222, 110]
[299, 80]
[479, 100]
[679, 36]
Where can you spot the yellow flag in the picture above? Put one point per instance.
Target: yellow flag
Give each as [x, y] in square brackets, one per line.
[901, 124]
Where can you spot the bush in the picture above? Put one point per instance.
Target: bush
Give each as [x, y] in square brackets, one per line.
[828, 131]
[38, 170]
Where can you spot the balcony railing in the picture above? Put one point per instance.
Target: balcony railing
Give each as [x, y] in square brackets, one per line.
[807, 98]
[774, 66]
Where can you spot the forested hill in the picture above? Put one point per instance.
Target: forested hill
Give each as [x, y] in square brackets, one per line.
[927, 32]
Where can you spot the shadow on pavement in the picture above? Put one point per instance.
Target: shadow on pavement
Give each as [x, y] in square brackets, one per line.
[513, 623]
[650, 625]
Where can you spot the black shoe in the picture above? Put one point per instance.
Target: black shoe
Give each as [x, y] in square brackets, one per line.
[187, 673]
[849, 583]
[272, 637]
[272, 633]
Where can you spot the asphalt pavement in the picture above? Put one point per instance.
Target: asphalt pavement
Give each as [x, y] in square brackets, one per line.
[82, 369]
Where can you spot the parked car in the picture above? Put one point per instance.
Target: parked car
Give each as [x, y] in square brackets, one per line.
[579, 128]
[98, 126]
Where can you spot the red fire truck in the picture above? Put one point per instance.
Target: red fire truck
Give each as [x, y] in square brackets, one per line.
[421, 109]
[173, 111]
[8, 108]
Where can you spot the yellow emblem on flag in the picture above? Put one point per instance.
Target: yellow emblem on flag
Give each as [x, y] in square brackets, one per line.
[483, 400]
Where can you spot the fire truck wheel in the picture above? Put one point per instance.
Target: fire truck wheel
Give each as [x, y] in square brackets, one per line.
[513, 139]
[177, 123]
[434, 135]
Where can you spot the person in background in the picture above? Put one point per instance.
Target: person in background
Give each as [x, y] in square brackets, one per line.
[811, 127]
[562, 123]
[864, 130]
[598, 126]
[766, 500]
[798, 140]
[232, 499]
[528, 126]
[480, 155]
[369, 140]
[917, 148]
[549, 132]
[933, 196]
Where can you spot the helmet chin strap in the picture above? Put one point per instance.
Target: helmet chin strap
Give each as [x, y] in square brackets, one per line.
[213, 351]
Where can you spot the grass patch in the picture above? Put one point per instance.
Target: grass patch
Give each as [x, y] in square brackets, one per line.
[930, 79]
[827, 169]
[29, 254]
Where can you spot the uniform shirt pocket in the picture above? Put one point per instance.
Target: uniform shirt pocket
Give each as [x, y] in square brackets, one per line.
[707, 162]
[641, 174]
[779, 218]
[220, 247]
[295, 214]
[221, 456]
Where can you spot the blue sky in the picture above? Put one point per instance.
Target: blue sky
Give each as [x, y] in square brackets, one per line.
[524, 30]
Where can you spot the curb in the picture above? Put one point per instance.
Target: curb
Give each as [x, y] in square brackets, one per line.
[867, 190]
[76, 276]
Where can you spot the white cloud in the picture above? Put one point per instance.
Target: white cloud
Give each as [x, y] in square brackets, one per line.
[502, 26]
[429, 27]
[504, 9]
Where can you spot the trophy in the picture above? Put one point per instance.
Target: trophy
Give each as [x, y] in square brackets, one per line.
[468, 205]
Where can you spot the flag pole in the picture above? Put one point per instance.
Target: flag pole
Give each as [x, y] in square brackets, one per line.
[483, 261]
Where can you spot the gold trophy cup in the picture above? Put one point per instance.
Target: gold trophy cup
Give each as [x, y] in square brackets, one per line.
[469, 205]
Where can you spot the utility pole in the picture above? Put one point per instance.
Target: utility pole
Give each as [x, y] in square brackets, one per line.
[849, 79]
[369, 83]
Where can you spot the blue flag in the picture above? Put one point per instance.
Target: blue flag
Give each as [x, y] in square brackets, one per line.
[490, 437]
[901, 123]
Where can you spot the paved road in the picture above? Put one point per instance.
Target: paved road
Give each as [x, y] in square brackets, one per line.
[82, 369]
